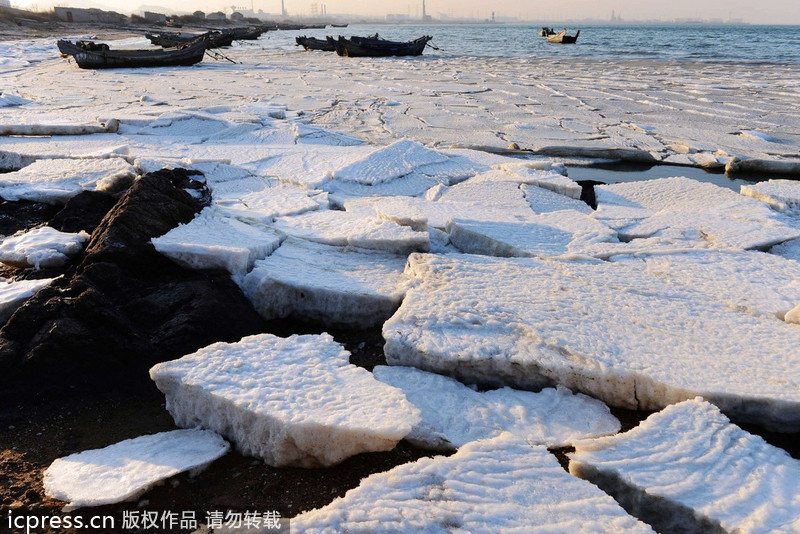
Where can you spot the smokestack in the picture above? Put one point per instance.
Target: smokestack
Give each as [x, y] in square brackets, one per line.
[423, 10]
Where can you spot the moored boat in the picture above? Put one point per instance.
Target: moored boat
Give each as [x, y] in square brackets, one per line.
[376, 47]
[215, 39]
[562, 37]
[312, 43]
[89, 55]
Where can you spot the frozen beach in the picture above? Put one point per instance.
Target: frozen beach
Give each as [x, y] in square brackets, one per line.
[379, 282]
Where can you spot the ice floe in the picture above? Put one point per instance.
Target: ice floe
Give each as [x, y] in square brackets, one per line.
[41, 247]
[125, 470]
[331, 285]
[781, 195]
[290, 401]
[213, 241]
[501, 484]
[453, 414]
[54, 181]
[611, 330]
[265, 205]
[14, 293]
[396, 160]
[342, 228]
[688, 469]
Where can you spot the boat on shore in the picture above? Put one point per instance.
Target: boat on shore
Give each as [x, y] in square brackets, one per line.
[89, 55]
[312, 43]
[215, 39]
[562, 37]
[376, 47]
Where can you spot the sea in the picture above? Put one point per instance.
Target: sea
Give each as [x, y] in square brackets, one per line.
[689, 42]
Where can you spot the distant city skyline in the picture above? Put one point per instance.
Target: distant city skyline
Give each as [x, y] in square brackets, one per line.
[767, 11]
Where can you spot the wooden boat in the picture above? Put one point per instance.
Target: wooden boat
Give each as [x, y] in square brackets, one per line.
[312, 43]
[247, 34]
[545, 31]
[562, 37]
[215, 39]
[89, 55]
[376, 47]
[338, 25]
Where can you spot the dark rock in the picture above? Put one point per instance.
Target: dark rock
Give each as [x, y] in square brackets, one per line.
[124, 307]
[83, 212]
[22, 215]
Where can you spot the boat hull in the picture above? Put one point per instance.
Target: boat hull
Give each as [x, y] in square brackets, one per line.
[368, 47]
[188, 54]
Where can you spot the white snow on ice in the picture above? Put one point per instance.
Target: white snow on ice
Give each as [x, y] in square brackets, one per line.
[14, 293]
[41, 247]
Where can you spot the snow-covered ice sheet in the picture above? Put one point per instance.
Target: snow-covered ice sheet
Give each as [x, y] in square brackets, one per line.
[331, 285]
[54, 181]
[788, 249]
[782, 195]
[557, 233]
[454, 414]
[265, 205]
[125, 470]
[342, 228]
[14, 294]
[385, 164]
[681, 209]
[609, 329]
[41, 247]
[213, 241]
[495, 485]
[543, 200]
[688, 469]
[290, 401]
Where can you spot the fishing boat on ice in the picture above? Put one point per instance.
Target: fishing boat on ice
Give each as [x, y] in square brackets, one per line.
[376, 47]
[89, 55]
[215, 39]
[312, 43]
[562, 37]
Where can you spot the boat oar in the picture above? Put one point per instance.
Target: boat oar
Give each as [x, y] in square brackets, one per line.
[434, 47]
[218, 55]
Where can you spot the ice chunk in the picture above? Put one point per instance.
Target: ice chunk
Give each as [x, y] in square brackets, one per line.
[498, 485]
[542, 200]
[688, 469]
[54, 181]
[782, 195]
[557, 233]
[125, 470]
[213, 241]
[267, 204]
[789, 250]
[453, 414]
[290, 401]
[327, 284]
[551, 177]
[610, 330]
[41, 247]
[396, 160]
[14, 294]
[698, 211]
[341, 228]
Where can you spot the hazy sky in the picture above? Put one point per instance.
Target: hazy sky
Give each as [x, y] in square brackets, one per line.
[761, 11]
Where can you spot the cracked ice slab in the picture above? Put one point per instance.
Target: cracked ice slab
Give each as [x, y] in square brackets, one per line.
[695, 213]
[14, 294]
[342, 228]
[265, 205]
[557, 233]
[290, 401]
[385, 164]
[125, 470]
[789, 250]
[781, 195]
[54, 181]
[688, 469]
[608, 329]
[213, 241]
[501, 484]
[41, 247]
[331, 285]
[453, 414]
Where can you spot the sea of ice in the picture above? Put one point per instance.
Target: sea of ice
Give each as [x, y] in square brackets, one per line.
[429, 197]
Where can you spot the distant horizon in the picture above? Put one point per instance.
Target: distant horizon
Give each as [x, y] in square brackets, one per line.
[770, 12]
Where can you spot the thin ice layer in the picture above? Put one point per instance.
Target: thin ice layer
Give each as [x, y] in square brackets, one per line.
[498, 485]
[290, 401]
[265, 205]
[557, 233]
[781, 195]
[680, 209]
[54, 181]
[342, 228]
[610, 330]
[398, 159]
[125, 470]
[688, 469]
[329, 285]
[14, 293]
[213, 241]
[453, 414]
[41, 247]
